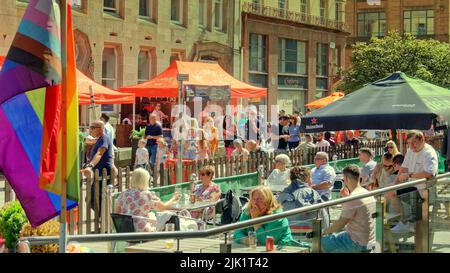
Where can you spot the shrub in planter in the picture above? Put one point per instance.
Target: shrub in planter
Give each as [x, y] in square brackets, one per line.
[50, 228]
[12, 219]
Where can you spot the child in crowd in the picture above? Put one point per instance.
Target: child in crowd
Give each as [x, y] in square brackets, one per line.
[142, 158]
[161, 156]
[203, 147]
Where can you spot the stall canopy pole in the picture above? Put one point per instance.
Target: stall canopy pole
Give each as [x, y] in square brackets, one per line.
[180, 78]
[92, 106]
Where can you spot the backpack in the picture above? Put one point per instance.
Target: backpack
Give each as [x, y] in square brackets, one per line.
[231, 208]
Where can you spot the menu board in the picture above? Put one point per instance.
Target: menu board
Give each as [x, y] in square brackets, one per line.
[214, 93]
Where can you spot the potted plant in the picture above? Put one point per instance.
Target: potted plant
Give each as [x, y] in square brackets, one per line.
[50, 228]
[12, 219]
[135, 136]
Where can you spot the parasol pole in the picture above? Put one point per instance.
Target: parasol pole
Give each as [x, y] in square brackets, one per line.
[62, 217]
[92, 107]
[180, 78]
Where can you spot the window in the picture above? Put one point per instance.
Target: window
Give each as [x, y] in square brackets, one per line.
[218, 18]
[202, 13]
[257, 49]
[371, 24]
[321, 59]
[321, 70]
[110, 6]
[303, 7]
[339, 12]
[282, 8]
[145, 8]
[258, 59]
[292, 57]
[418, 22]
[256, 5]
[323, 9]
[144, 66]
[176, 13]
[109, 72]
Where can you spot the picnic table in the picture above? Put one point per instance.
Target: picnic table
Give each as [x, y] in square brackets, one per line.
[204, 245]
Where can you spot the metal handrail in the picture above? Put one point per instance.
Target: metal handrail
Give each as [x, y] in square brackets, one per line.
[141, 236]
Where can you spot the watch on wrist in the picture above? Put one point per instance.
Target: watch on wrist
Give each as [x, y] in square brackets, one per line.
[90, 165]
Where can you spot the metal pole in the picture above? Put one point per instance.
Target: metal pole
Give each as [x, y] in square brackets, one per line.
[401, 140]
[134, 116]
[180, 130]
[62, 218]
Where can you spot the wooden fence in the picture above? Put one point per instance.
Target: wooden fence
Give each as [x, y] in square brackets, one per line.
[85, 220]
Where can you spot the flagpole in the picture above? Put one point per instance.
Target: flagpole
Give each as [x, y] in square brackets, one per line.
[62, 227]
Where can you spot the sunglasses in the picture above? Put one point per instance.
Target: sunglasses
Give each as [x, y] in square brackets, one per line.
[388, 166]
[94, 127]
[205, 174]
[390, 147]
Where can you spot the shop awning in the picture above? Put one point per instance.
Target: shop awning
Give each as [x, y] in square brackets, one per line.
[326, 100]
[102, 94]
[200, 74]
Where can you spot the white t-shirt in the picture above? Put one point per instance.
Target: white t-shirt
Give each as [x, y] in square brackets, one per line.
[141, 156]
[323, 143]
[278, 177]
[424, 161]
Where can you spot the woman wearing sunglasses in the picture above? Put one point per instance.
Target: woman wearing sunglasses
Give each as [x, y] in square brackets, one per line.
[391, 148]
[207, 190]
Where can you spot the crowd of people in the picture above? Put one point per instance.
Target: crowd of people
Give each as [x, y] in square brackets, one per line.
[352, 232]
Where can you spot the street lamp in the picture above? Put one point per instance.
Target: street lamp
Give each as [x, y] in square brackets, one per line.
[180, 78]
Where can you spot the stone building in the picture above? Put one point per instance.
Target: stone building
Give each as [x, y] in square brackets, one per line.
[121, 43]
[294, 48]
[424, 18]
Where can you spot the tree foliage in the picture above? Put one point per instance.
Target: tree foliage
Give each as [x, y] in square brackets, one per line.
[428, 60]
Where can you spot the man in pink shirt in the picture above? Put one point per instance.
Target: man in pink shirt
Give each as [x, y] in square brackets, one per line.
[355, 229]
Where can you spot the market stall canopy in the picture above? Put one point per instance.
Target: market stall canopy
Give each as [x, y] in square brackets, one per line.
[102, 94]
[326, 100]
[395, 102]
[200, 74]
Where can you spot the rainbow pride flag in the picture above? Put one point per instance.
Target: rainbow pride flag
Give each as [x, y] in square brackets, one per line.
[30, 113]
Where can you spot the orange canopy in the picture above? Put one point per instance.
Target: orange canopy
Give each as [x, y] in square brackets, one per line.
[201, 74]
[102, 94]
[326, 100]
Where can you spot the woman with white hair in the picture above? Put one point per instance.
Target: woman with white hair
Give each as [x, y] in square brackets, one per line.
[139, 201]
[280, 175]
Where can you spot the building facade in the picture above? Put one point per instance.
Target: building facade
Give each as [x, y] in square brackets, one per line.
[122, 43]
[423, 18]
[294, 48]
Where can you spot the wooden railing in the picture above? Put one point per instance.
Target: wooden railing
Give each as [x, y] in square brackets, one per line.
[90, 221]
[292, 16]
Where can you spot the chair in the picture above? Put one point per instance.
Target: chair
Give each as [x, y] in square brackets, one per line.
[123, 223]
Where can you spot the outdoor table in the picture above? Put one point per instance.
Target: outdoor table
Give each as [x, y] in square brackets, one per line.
[204, 245]
[199, 205]
[171, 165]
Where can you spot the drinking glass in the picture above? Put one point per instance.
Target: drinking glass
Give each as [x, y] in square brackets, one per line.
[170, 242]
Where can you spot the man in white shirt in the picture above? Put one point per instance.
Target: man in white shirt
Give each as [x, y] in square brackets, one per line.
[421, 161]
[321, 143]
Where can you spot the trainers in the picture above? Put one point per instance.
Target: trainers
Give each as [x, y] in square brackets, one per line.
[402, 228]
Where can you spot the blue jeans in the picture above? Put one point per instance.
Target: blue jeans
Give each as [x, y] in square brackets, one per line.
[152, 154]
[341, 243]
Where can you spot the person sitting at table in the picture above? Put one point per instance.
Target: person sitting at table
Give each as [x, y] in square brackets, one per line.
[207, 190]
[354, 231]
[263, 202]
[382, 175]
[366, 158]
[391, 148]
[323, 176]
[139, 201]
[280, 175]
[299, 194]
